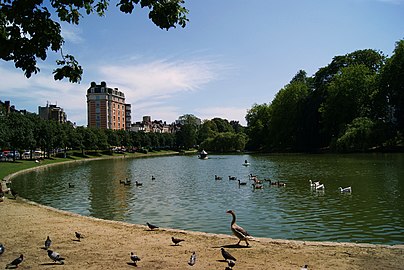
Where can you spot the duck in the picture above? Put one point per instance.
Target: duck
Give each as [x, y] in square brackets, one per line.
[238, 231]
[218, 177]
[345, 189]
[127, 182]
[232, 178]
[153, 178]
[71, 185]
[138, 184]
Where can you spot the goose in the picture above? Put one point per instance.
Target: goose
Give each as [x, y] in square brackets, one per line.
[218, 177]
[138, 184]
[241, 183]
[280, 184]
[345, 190]
[257, 186]
[238, 231]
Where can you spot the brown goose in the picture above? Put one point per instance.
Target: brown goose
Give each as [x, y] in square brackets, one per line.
[238, 231]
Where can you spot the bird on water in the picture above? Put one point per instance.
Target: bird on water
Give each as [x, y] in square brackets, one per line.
[238, 231]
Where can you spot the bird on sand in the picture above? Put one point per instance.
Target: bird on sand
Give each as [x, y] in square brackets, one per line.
[226, 255]
[15, 262]
[2, 249]
[54, 256]
[78, 235]
[151, 226]
[48, 243]
[192, 260]
[238, 231]
[305, 267]
[176, 241]
[134, 258]
[230, 264]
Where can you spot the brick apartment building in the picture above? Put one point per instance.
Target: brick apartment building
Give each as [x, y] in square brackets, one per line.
[106, 108]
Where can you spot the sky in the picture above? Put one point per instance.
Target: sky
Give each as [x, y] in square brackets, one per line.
[231, 55]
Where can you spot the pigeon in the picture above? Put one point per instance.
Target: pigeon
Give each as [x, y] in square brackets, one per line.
[1, 249]
[231, 263]
[134, 258]
[55, 256]
[151, 226]
[16, 262]
[48, 242]
[192, 260]
[176, 241]
[78, 235]
[227, 256]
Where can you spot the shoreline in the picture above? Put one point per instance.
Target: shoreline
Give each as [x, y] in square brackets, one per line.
[107, 244]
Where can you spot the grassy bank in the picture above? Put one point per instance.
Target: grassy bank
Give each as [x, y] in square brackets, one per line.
[10, 167]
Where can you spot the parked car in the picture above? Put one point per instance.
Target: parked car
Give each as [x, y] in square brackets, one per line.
[11, 155]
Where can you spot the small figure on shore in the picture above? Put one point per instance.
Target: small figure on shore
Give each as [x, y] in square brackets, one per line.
[78, 236]
[15, 262]
[48, 243]
[192, 260]
[151, 226]
[134, 258]
[54, 256]
[176, 241]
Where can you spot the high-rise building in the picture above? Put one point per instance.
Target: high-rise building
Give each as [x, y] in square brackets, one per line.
[106, 107]
[52, 112]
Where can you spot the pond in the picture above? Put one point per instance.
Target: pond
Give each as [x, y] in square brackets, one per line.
[185, 195]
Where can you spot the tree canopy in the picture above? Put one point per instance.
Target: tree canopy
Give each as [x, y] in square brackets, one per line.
[355, 103]
[28, 30]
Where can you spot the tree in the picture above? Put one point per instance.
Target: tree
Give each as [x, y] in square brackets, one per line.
[349, 97]
[28, 30]
[258, 121]
[392, 86]
[286, 113]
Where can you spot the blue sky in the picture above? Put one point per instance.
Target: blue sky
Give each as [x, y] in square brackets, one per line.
[231, 55]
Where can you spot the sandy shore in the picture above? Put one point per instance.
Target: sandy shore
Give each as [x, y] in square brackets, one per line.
[107, 244]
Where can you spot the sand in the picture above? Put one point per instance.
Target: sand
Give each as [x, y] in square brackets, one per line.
[107, 244]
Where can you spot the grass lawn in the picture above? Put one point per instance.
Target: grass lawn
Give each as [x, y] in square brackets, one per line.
[10, 167]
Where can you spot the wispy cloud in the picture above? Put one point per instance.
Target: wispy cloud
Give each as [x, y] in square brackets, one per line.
[229, 113]
[72, 33]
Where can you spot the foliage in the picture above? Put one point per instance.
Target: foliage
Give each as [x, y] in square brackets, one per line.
[28, 28]
[357, 136]
[358, 96]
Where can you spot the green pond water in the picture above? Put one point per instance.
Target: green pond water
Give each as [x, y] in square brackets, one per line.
[185, 194]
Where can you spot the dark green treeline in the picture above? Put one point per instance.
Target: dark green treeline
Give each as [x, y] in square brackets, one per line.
[355, 103]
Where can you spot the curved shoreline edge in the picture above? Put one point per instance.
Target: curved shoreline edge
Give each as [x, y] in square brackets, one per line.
[9, 177]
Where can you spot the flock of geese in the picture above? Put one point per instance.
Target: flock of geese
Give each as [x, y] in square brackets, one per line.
[259, 184]
[256, 183]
